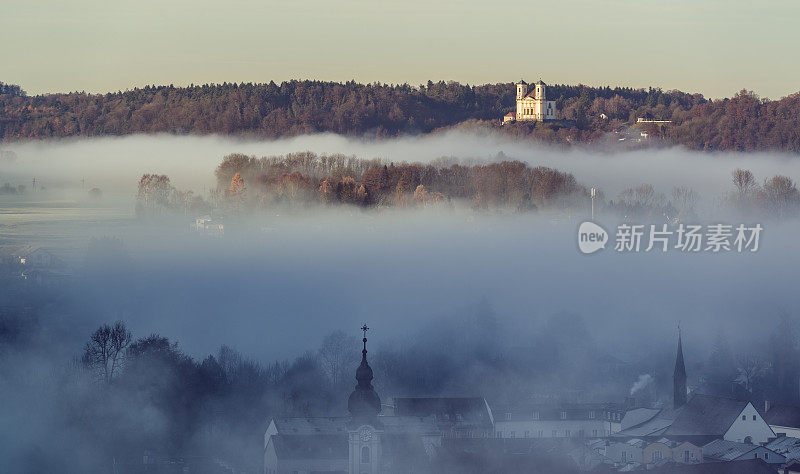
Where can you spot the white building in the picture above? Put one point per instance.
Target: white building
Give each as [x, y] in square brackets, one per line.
[576, 420]
[783, 419]
[532, 106]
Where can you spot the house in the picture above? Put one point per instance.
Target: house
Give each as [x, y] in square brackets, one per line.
[637, 452]
[532, 106]
[786, 446]
[558, 420]
[792, 467]
[783, 419]
[207, 226]
[626, 452]
[686, 452]
[701, 419]
[723, 451]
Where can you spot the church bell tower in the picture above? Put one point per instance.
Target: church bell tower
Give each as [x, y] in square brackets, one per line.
[522, 89]
[364, 430]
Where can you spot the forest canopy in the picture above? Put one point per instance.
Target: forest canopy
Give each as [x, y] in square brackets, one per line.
[587, 114]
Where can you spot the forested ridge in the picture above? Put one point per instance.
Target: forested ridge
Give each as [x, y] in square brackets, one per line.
[742, 123]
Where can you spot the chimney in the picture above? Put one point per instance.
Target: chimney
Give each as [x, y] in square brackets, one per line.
[767, 405]
[630, 402]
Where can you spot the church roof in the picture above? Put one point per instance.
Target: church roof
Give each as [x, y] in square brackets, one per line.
[469, 410]
[337, 425]
[408, 424]
[706, 415]
[310, 425]
[703, 415]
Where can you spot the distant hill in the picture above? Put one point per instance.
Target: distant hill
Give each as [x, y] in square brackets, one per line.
[744, 122]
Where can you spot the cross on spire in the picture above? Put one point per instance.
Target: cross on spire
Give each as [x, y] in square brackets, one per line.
[365, 328]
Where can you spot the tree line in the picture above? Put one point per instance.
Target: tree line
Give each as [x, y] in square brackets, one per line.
[304, 179]
[744, 122]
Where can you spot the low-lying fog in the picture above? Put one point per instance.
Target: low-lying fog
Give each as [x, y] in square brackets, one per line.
[115, 164]
[276, 290]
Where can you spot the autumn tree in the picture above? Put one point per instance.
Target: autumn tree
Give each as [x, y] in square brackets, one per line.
[781, 196]
[237, 185]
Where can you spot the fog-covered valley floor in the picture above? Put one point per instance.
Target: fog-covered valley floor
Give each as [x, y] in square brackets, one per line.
[462, 300]
[276, 286]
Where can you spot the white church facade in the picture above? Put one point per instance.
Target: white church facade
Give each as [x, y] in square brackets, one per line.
[532, 105]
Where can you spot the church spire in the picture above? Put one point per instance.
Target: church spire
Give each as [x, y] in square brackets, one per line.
[679, 377]
[364, 404]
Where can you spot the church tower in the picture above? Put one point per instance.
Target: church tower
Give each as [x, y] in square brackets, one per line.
[679, 377]
[364, 406]
[539, 91]
[522, 89]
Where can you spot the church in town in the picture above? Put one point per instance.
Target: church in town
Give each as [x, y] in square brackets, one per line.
[398, 436]
[532, 105]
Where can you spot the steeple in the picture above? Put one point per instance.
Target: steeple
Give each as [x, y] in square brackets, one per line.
[364, 403]
[679, 377]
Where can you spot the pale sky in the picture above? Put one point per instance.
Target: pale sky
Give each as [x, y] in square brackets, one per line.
[712, 47]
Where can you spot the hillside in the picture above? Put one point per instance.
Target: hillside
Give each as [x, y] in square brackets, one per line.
[744, 122]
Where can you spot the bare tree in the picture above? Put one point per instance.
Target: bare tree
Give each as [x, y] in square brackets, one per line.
[339, 352]
[744, 181]
[105, 352]
[751, 369]
[684, 199]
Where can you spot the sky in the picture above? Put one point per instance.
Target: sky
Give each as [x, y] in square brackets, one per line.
[712, 47]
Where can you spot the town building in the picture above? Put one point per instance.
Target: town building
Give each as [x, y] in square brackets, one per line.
[701, 419]
[637, 451]
[722, 450]
[205, 225]
[786, 446]
[558, 420]
[532, 105]
[783, 419]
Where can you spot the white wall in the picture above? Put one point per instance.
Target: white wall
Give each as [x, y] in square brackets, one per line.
[758, 430]
[789, 431]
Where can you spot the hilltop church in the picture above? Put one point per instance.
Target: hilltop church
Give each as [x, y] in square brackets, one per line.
[532, 106]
